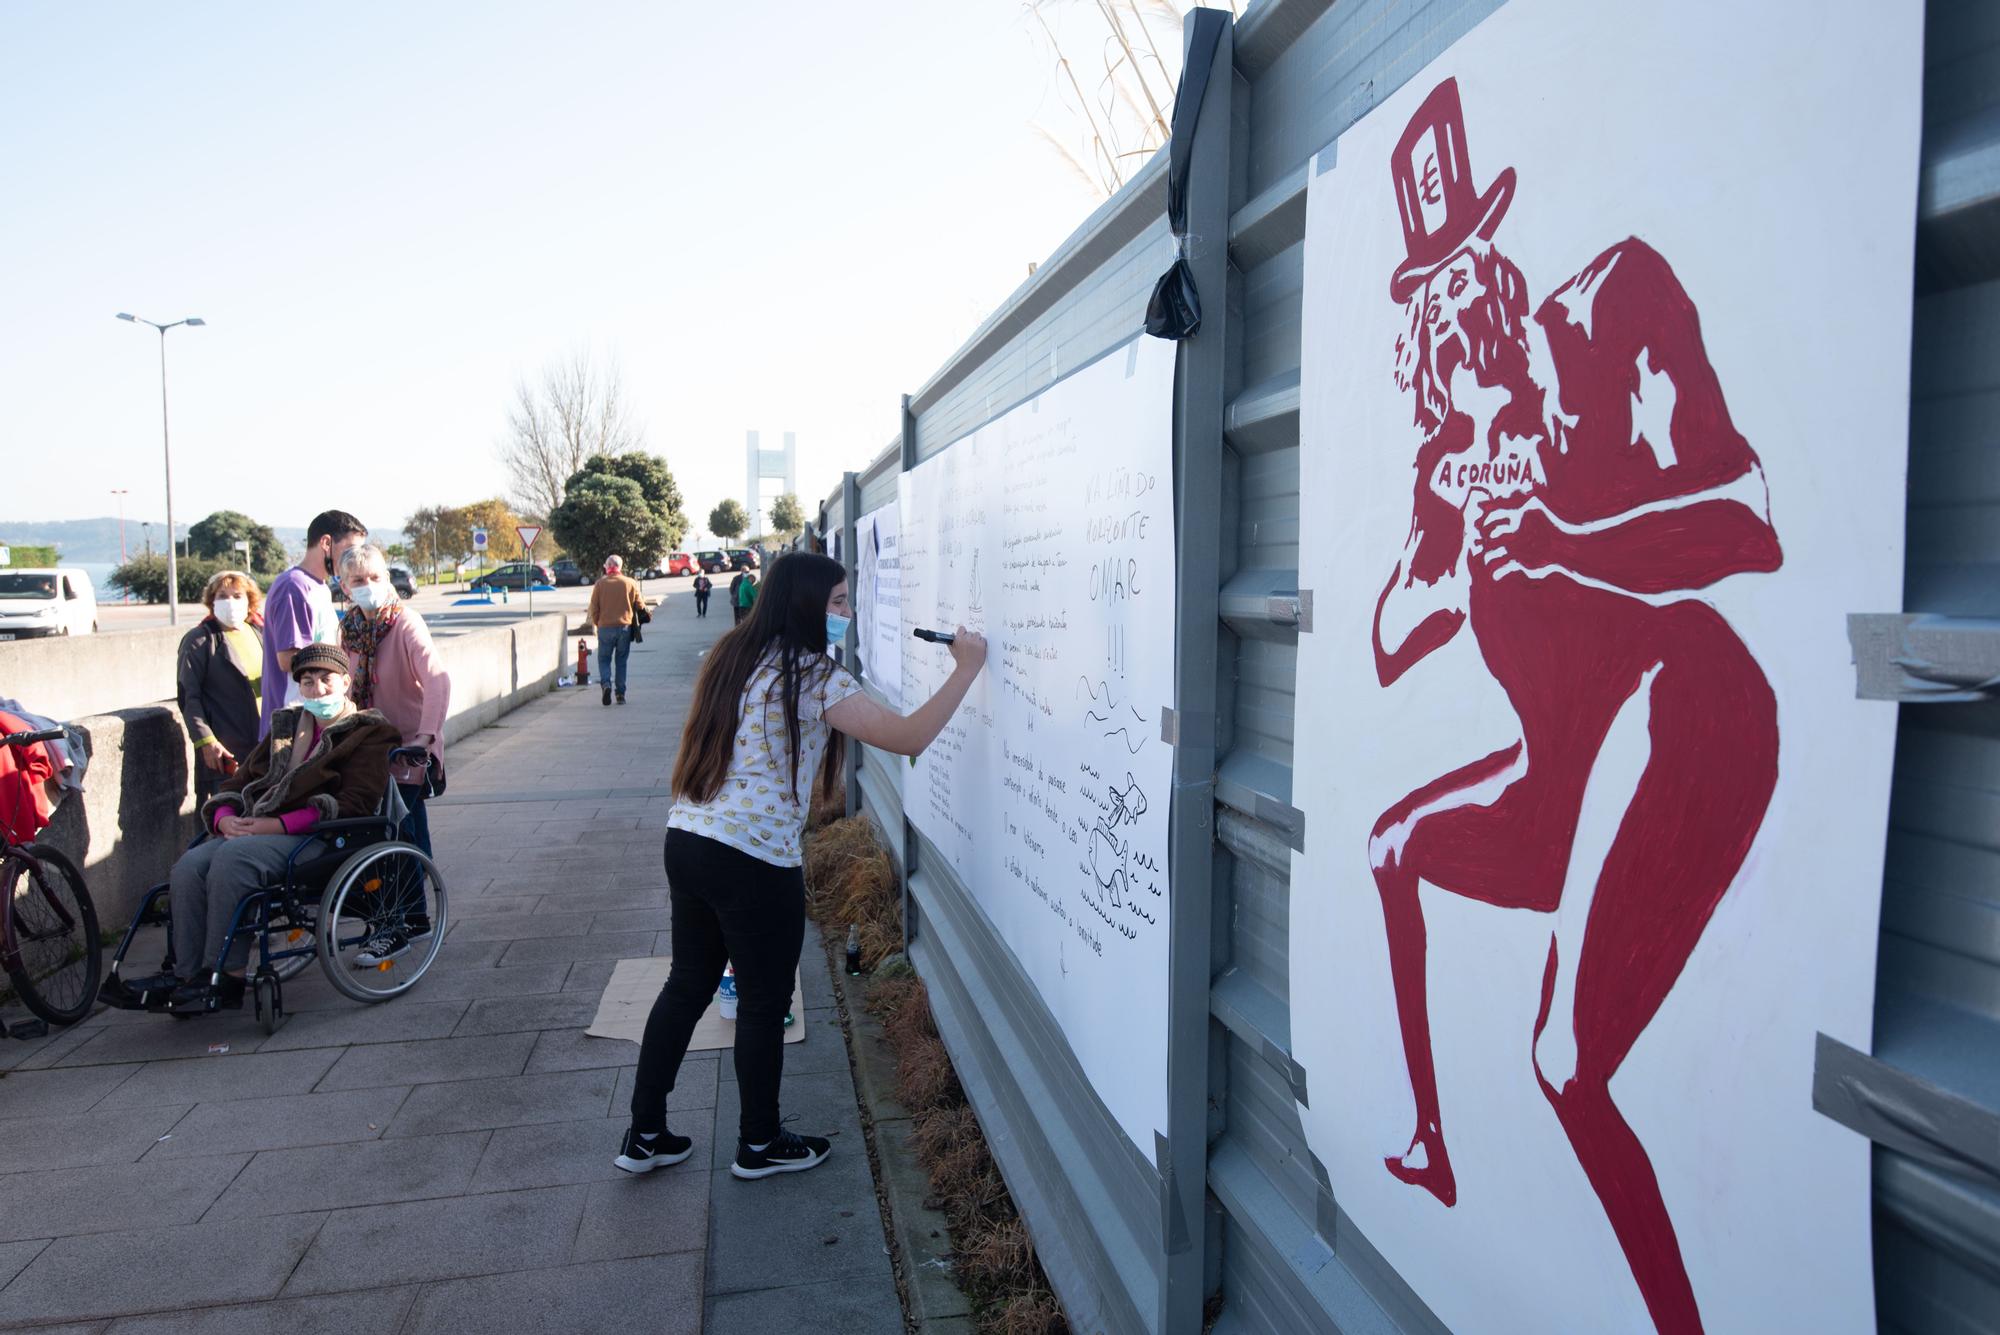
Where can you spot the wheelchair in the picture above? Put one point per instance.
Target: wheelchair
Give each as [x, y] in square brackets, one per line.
[349, 889]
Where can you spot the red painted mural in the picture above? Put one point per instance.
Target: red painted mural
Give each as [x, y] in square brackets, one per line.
[1578, 482]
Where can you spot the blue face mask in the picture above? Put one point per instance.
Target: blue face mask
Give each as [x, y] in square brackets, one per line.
[836, 629]
[325, 707]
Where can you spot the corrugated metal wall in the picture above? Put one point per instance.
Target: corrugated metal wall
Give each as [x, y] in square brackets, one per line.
[1273, 1241]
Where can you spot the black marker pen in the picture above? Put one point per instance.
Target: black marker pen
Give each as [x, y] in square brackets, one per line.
[934, 636]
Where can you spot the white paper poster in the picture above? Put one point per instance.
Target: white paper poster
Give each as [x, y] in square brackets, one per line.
[1050, 530]
[1604, 418]
[877, 599]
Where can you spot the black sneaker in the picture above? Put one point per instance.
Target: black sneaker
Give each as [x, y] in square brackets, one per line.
[621, 697]
[642, 1156]
[393, 943]
[607, 695]
[787, 1154]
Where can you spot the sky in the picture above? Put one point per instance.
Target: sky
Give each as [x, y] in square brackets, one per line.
[773, 216]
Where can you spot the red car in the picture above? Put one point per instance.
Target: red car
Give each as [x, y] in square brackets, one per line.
[680, 563]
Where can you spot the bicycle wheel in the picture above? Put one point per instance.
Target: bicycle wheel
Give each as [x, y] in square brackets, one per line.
[381, 921]
[52, 953]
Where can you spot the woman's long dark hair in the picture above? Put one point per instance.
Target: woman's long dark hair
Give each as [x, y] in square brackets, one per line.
[787, 622]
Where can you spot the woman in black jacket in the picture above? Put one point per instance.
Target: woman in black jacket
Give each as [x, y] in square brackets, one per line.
[220, 676]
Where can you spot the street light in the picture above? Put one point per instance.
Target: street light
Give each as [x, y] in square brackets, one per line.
[166, 450]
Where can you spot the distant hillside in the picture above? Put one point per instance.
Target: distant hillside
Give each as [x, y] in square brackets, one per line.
[97, 539]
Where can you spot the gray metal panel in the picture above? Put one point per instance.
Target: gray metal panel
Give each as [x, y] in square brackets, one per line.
[1106, 308]
[1289, 1260]
[1090, 1199]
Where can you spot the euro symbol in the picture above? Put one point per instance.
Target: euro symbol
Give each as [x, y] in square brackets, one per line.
[1430, 182]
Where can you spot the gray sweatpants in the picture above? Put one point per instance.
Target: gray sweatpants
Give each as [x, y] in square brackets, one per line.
[207, 883]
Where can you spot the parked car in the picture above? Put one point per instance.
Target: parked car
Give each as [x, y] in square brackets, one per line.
[515, 575]
[403, 580]
[47, 600]
[680, 563]
[742, 558]
[711, 563]
[568, 574]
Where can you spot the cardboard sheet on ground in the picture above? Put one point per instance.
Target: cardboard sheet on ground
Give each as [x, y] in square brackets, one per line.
[628, 1000]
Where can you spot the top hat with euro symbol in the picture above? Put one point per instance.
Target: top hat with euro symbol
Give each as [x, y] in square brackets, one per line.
[1442, 209]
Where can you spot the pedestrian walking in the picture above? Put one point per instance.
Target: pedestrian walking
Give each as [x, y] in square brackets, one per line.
[616, 608]
[219, 676]
[746, 596]
[298, 607]
[769, 716]
[703, 586]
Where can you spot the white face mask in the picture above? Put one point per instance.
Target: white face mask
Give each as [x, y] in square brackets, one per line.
[372, 597]
[231, 611]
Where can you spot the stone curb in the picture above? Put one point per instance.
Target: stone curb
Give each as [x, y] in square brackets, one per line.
[936, 1305]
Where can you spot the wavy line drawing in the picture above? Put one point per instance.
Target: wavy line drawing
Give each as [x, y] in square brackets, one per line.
[1131, 747]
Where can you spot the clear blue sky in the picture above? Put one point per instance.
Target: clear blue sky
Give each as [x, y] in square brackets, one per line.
[777, 216]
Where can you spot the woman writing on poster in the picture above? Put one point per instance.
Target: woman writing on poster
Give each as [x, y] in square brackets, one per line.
[769, 714]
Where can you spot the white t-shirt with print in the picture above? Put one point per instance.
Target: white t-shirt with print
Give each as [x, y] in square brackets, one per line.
[754, 810]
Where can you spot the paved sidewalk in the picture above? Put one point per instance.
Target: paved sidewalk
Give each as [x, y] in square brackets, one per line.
[443, 1162]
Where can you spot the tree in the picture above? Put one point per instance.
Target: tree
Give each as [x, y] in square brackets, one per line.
[656, 484]
[145, 577]
[602, 514]
[216, 537]
[728, 519]
[788, 517]
[424, 530]
[577, 410]
[499, 521]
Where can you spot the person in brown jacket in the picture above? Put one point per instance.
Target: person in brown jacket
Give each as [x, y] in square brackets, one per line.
[323, 760]
[616, 608]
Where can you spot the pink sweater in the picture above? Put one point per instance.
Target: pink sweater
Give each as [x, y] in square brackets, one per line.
[412, 688]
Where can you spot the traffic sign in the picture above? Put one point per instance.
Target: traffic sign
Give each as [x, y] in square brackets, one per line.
[528, 532]
[479, 540]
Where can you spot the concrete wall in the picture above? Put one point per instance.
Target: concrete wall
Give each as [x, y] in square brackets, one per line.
[91, 674]
[137, 812]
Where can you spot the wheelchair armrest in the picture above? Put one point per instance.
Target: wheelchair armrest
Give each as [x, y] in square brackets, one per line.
[345, 823]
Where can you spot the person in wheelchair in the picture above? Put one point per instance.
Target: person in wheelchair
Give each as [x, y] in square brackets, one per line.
[323, 760]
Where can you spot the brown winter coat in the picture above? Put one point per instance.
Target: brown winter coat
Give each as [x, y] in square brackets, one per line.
[343, 775]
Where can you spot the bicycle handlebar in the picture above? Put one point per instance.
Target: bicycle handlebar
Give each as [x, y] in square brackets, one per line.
[30, 738]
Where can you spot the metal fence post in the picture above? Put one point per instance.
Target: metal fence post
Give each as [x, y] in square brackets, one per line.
[907, 462]
[1201, 387]
[850, 501]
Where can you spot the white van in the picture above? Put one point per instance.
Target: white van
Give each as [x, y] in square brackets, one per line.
[50, 600]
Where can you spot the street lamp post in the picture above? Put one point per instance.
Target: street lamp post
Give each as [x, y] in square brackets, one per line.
[166, 450]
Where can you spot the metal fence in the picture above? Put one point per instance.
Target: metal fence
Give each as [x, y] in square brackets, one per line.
[1238, 1206]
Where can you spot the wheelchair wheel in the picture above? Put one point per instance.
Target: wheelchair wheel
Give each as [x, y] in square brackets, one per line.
[52, 953]
[381, 921]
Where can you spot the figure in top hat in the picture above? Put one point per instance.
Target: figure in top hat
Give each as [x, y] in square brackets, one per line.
[1578, 481]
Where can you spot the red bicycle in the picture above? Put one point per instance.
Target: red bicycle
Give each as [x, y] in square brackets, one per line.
[49, 946]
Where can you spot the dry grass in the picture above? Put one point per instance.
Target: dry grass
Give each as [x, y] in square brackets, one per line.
[850, 880]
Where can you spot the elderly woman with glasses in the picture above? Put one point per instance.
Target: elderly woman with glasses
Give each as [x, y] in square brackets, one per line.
[398, 672]
[220, 676]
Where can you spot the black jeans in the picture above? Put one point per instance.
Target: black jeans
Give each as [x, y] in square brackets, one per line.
[727, 907]
[700, 603]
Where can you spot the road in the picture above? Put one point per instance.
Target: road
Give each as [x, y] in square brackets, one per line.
[438, 607]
